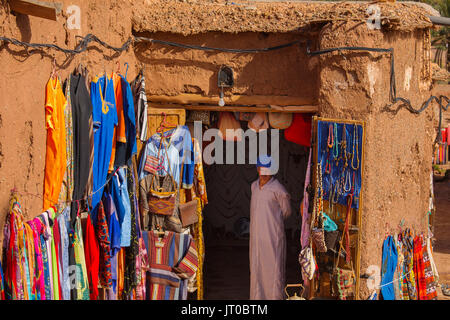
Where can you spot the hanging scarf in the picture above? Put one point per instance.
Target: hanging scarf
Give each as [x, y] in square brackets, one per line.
[389, 264]
[419, 269]
[408, 267]
[104, 242]
[2, 287]
[131, 252]
[429, 275]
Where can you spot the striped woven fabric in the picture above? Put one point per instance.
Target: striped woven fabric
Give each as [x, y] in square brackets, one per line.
[173, 260]
[419, 269]
[429, 275]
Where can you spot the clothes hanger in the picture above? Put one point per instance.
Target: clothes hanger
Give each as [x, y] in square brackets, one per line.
[53, 74]
[118, 67]
[126, 71]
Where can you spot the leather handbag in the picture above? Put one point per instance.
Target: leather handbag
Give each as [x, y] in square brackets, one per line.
[188, 213]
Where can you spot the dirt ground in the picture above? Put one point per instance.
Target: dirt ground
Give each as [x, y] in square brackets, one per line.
[441, 253]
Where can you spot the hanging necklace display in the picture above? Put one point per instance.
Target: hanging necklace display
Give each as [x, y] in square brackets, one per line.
[335, 145]
[348, 182]
[344, 146]
[355, 148]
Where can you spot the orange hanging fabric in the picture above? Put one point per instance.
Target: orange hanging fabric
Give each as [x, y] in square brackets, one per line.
[55, 158]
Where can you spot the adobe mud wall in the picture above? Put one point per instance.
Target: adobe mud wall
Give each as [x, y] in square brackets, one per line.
[352, 86]
[22, 85]
[398, 147]
[285, 72]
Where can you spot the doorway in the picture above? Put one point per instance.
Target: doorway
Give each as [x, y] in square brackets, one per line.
[226, 220]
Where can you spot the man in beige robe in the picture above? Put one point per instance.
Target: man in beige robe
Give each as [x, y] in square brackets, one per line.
[269, 207]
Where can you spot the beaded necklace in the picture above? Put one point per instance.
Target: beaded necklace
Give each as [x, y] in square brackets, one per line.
[355, 146]
[344, 146]
[348, 182]
[335, 144]
[330, 140]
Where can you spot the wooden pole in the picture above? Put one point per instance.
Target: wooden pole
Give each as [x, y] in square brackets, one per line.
[289, 109]
[46, 10]
[189, 98]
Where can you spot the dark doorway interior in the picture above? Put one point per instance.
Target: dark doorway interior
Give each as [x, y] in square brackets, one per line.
[226, 268]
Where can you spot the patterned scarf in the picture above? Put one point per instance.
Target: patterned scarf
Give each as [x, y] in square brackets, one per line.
[408, 267]
[131, 252]
[419, 269]
[102, 233]
[429, 275]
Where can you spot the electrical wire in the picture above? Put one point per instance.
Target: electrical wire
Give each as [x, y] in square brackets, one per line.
[405, 103]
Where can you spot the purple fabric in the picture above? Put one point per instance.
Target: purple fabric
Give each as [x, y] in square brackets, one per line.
[304, 238]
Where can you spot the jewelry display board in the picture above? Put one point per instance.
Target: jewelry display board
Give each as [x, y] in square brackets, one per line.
[338, 151]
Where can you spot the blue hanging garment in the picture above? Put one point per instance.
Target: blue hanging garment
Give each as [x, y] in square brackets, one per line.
[389, 264]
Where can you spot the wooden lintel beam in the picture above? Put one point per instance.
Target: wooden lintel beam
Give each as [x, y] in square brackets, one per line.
[37, 8]
[190, 98]
[290, 109]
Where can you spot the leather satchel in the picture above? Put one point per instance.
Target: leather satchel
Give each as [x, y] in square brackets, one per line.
[188, 213]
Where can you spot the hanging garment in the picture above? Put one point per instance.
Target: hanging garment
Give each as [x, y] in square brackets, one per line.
[63, 222]
[91, 252]
[67, 185]
[398, 281]
[173, 260]
[30, 251]
[389, 264]
[132, 251]
[2, 283]
[141, 270]
[102, 234]
[114, 237]
[120, 273]
[119, 130]
[269, 207]
[45, 258]
[409, 282]
[141, 107]
[82, 112]
[50, 253]
[81, 274]
[56, 267]
[55, 157]
[429, 275]
[126, 149]
[177, 149]
[419, 269]
[105, 119]
[304, 238]
[36, 227]
[119, 192]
